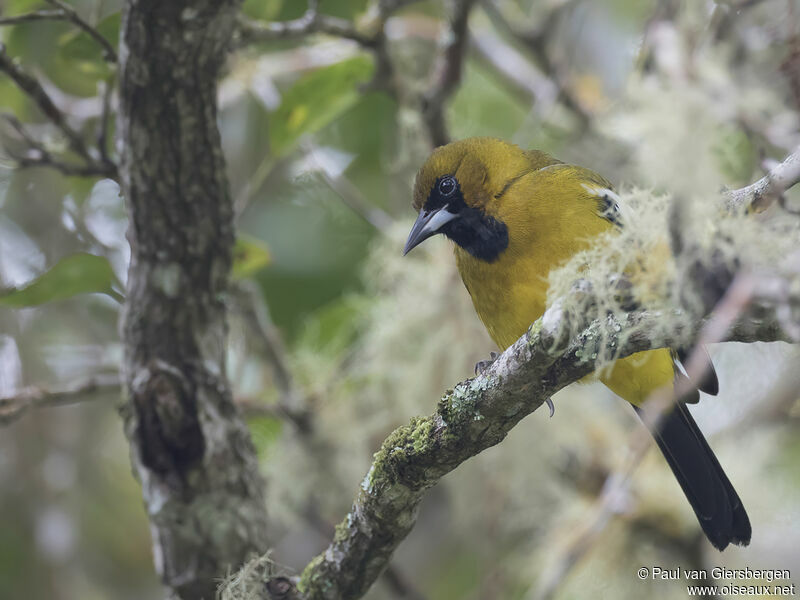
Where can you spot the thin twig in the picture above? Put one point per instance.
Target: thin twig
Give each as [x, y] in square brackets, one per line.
[38, 155]
[350, 195]
[447, 71]
[34, 397]
[516, 71]
[312, 21]
[70, 14]
[47, 160]
[23, 132]
[292, 404]
[41, 98]
[102, 133]
[39, 15]
[536, 42]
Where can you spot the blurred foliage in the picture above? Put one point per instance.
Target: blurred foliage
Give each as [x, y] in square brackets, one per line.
[71, 276]
[316, 100]
[683, 97]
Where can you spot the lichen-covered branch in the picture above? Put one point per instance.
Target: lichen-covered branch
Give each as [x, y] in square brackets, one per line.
[477, 414]
[191, 450]
[767, 189]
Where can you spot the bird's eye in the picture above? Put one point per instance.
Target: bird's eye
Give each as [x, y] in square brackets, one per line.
[447, 186]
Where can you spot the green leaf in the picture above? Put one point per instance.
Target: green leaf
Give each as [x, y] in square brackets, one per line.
[15, 7]
[13, 100]
[78, 65]
[250, 255]
[264, 431]
[316, 100]
[76, 44]
[262, 9]
[73, 275]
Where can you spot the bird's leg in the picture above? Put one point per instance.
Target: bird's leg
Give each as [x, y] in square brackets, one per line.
[482, 365]
[551, 406]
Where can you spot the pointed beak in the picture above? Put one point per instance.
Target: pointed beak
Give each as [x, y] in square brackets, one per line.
[428, 223]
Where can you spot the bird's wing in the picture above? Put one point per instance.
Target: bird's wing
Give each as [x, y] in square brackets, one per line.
[608, 202]
[585, 182]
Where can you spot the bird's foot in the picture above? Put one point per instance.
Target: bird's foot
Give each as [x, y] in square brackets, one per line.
[482, 365]
[551, 406]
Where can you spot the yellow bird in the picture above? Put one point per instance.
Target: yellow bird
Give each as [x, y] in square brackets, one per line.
[514, 215]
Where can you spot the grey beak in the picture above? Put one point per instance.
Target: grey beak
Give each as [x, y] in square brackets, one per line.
[428, 223]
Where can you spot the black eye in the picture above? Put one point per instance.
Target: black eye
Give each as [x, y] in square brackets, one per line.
[447, 185]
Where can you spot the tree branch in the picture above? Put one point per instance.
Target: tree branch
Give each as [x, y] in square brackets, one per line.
[37, 155]
[41, 98]
[39, 15]
[64, 12]
[447, 71]
[477, 414]
[312, 21]
[763, 192]
[536, 42]
[71, 15]
[35, 397]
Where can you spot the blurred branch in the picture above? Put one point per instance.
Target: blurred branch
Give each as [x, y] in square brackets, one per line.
[292, 405]
[763, 192]
[535, 41]
[311, 22]
[447, 71]
[369, 33]
[35, 397]
[37, 155]
[71, 15]
[517, 71]
[106, 91]
[64, 12]
[39, 15]
[349, 194]
[34, 90]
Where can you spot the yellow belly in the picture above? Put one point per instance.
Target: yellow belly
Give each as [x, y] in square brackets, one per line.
[508, 303]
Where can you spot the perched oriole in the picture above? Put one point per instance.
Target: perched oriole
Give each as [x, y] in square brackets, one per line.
[514, 215]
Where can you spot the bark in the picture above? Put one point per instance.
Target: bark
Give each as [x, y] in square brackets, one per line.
[189, 445]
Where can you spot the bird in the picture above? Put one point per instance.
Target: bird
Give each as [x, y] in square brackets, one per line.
[514, 215]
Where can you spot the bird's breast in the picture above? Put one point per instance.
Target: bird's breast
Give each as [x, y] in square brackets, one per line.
[508, 294]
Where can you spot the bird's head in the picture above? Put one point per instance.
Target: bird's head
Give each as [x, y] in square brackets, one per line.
[459, 193]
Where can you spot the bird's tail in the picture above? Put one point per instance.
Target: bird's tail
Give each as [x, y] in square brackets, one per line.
[716, 504]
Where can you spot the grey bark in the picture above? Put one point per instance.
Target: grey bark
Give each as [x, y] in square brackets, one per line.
[189, 445]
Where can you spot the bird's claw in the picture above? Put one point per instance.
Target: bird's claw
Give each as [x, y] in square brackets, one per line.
[482, 365]
[551, 406]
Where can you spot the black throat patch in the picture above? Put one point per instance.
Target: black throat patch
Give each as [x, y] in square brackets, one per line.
[483, 236]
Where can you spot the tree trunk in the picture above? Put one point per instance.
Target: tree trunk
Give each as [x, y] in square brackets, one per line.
[189, 445]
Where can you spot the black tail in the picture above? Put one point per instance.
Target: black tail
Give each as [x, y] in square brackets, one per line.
[715, 502]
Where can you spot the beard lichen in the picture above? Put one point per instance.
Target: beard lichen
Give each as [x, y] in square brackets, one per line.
[634, 268]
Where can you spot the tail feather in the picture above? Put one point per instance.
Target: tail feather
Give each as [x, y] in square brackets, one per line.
[716, 504]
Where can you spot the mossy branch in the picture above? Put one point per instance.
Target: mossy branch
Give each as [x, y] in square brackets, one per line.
[475, 415]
